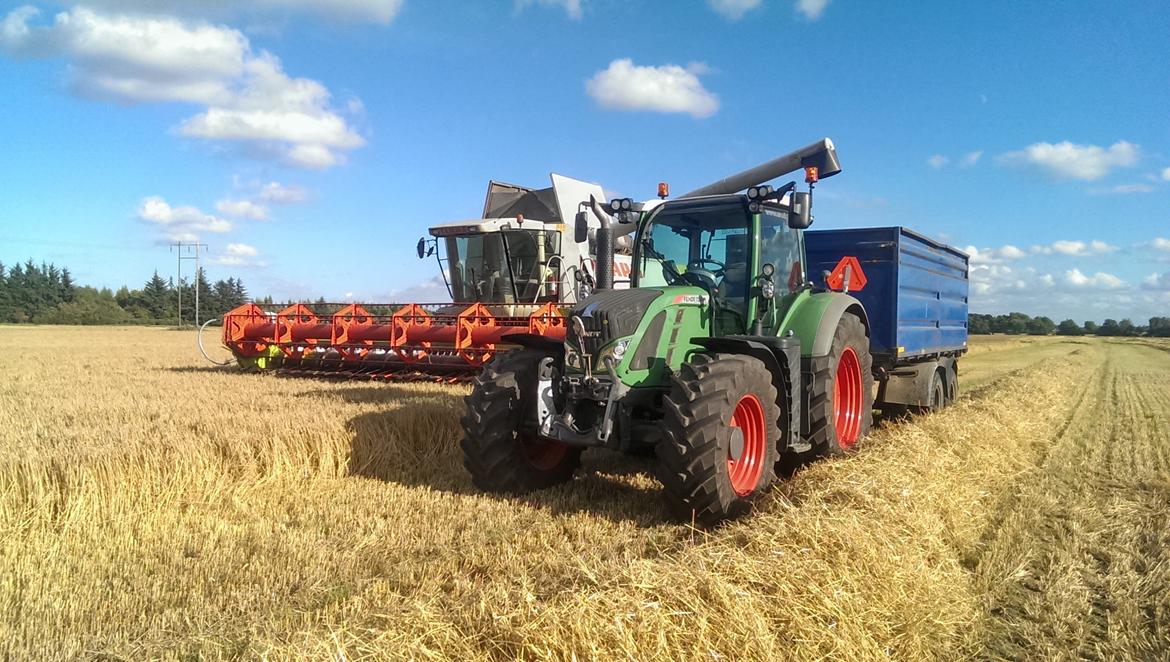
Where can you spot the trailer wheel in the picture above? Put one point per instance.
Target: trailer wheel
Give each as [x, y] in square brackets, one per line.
[937, 394]
[721, 433]
[500, 447]
[841, 403]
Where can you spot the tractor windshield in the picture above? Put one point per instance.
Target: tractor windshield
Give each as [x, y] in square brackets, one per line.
[509, 266]
[703, 245]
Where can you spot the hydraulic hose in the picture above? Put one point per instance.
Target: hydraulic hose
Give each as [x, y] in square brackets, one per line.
[199, 341]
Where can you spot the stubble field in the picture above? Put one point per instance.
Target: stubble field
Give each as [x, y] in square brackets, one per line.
[154, 507]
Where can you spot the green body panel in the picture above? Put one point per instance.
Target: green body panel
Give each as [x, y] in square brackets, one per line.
[685, 317]
[802, 313]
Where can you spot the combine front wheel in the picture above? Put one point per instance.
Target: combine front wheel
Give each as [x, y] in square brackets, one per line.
[721, 428]
[841, 404]
[500, 448]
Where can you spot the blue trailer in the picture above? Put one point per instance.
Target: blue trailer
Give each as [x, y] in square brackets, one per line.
[916, 301]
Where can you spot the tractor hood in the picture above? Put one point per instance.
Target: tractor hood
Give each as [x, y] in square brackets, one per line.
[644, 330]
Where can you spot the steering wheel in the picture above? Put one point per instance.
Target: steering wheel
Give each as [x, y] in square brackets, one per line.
[700, 263]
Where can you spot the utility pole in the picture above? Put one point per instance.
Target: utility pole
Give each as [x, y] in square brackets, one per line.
[191, 246]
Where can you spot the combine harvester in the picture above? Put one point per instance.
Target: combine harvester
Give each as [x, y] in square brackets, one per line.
[743, 345]
[511, 271]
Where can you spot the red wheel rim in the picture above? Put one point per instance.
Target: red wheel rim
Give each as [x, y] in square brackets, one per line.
[541, 453]
[847, 399]
[748, 420]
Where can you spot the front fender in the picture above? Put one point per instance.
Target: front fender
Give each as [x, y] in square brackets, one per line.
[813, 317]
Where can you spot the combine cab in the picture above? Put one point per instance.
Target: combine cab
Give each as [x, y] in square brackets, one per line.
[510, 272]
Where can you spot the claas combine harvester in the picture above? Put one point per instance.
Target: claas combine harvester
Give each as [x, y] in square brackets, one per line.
[514, 270]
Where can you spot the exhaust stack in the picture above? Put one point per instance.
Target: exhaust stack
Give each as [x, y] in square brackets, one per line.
[604, 246]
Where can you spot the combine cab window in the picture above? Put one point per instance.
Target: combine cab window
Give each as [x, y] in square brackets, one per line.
[504, 267]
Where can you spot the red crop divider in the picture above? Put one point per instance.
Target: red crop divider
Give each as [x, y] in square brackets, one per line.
[410, 325]
[248, 330]
[549, 321]
[354, 332]
[299, 330]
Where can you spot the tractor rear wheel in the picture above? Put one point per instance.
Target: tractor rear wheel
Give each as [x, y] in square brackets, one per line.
[500, 447]
[721, 430]
[841, 403]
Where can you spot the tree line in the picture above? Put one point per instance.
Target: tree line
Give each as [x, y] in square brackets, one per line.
[47, 294]
[1022, 324]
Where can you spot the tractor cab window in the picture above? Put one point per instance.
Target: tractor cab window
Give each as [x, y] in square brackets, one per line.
[706, 246]
[783, 247]
[510, 266]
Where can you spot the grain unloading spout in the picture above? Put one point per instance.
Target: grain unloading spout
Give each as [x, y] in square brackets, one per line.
[821, 155]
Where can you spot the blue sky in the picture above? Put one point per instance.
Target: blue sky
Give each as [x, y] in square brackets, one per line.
[310, 144]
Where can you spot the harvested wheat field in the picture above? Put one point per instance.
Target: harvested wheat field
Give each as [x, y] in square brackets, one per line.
[154, 507]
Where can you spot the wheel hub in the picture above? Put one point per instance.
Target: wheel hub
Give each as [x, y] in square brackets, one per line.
[747, 448]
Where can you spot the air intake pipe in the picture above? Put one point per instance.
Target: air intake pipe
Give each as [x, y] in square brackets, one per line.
[821, 155]
[604, 246]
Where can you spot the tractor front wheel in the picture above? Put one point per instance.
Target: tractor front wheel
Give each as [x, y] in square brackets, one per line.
[721, 431]
[841, 403]
[500, 447]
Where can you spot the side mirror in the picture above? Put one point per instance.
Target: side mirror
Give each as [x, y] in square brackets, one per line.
[800, 216]
[422, 248]
[581, 227]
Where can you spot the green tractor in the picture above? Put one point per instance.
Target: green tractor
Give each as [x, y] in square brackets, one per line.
[723, 357]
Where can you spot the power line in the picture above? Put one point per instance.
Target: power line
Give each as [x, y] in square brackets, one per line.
[178, 247]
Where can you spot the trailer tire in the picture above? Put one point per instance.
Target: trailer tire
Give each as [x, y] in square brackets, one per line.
[937, 394]
[840, 409]
[721, 431]
[498, 452]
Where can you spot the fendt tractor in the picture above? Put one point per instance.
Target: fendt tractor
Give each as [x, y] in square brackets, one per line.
[743, 342]
[514, 269]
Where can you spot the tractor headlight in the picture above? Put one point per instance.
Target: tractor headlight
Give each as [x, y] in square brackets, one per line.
[615, 351]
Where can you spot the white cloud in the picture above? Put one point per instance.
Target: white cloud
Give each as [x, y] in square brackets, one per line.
[571, 7]
[812, 9]
[1075, 248]
[1160, 244]
[1157, 282]
[375, 11]
[248, 98]
[184, 223]
[240, 255]
[1125, 189]
[278, 193]
[433, 290]
[242, 250]
[666, 89]
[940, 161]
[1166, 175]
[242, 209]
[734, 9]
[994, 255]
[1066, 160]
[1098, 281]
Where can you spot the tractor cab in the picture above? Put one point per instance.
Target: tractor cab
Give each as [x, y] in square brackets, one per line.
[719, 244]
